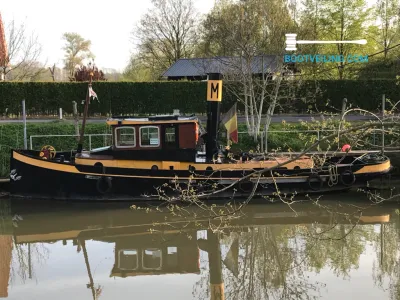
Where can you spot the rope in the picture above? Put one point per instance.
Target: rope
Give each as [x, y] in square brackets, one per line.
[333, 175]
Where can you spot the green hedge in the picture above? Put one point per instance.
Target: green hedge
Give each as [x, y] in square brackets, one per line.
[366, 94]
[114, 97]
[45, 98]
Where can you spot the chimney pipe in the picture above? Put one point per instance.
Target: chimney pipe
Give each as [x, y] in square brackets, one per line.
[214, 97]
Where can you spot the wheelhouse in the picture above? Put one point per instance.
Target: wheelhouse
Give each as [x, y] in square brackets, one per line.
[153, 137]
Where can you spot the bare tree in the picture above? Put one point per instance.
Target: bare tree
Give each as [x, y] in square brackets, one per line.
[52, 71]
[24, 51]
[166, 33]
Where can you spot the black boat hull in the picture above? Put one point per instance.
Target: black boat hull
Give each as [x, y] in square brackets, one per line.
[33, 177]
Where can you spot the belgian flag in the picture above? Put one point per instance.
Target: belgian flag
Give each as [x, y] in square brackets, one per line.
[230, 122]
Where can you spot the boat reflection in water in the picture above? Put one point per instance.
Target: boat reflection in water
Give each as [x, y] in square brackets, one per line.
[270, 251]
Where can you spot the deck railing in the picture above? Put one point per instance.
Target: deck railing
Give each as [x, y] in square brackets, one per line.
[265, 140]
[90, 136]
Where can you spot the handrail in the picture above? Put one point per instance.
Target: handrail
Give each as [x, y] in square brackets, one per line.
[66, 135]
[318, 132]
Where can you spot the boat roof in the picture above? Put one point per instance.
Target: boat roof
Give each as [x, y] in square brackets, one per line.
[160, 119]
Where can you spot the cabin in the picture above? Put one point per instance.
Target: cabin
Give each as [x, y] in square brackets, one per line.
[165, 138]
[144, 255]
[154, 133]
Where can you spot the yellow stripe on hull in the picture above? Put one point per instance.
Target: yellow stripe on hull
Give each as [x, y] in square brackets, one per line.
[385, 166]
[72, 169]
[183, 166]
[378, 168]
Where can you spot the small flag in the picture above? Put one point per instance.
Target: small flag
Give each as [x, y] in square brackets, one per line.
[92, 93]
[230, 122]
[231, 260]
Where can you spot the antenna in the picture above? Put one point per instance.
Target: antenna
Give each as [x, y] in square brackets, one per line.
[291, 42]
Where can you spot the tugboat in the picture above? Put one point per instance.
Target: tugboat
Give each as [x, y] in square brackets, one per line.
[173, 157]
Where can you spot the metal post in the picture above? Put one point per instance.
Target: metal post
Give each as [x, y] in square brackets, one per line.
[342, 118]
[266, 139]
[29, 262]
[24, 120]
[90, 142]
[344, 102]
[76, 120]
[60, 113]
[383, 127]
[262, 142]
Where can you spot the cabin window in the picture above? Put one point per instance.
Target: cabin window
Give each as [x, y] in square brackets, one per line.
[152, 259]
[149, 136]
[125, 137]
[170, 137]
[172, 257]
[128, 259]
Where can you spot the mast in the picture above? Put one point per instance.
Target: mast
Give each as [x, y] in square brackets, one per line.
[215, 265]
[91, 281]
[80, 144]
[214, 97]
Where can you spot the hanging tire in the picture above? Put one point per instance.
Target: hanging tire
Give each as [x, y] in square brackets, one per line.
[104, 185]
[347, 178]
[315, 178]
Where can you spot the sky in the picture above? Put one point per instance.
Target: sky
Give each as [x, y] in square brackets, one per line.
[108, 24]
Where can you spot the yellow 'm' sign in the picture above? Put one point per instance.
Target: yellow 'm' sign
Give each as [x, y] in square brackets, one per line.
[214, 90]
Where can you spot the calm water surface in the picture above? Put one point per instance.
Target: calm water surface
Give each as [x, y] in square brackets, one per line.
[339, 250]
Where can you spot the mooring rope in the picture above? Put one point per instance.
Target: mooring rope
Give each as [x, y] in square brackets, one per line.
[333, 175]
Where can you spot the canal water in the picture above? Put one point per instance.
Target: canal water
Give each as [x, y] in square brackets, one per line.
[341, 248]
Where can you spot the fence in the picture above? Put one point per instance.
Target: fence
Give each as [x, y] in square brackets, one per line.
[105, 141]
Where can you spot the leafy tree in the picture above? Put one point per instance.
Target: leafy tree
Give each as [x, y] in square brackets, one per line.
[250, 27]
[309, 29]
[344, 20]
[137, 70]
[387, 12]
[76, 50]
[335, 20]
